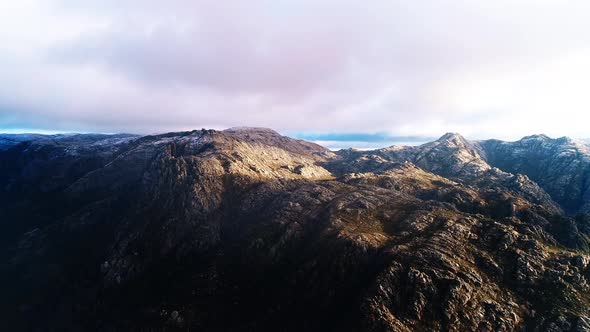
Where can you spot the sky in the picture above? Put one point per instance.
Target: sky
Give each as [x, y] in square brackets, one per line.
[354, 72]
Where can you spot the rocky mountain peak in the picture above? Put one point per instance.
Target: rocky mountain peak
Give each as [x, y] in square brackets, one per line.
[537, 138]
[450, 136]
[251, 130]
[560, 141]
[566, 140]
[453, 138]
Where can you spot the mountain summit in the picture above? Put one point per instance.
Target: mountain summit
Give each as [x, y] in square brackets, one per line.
[452, 138]
[245, 229]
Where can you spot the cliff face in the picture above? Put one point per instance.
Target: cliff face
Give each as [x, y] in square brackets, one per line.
[561, 166]
[245, 229]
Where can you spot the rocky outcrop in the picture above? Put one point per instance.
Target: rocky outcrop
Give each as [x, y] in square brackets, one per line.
[561, 166]
[245, 229]
[451, 156]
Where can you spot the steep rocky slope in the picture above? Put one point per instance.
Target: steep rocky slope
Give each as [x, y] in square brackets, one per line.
[247, 230]
[37, 169]
[451, 156]
[561, 166]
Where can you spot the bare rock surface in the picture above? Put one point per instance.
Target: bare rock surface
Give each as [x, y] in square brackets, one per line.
[248, 230]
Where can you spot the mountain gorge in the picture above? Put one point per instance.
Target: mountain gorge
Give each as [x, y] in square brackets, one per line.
[248, 230]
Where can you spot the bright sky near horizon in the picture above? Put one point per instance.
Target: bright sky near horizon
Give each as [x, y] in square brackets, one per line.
[503, 68]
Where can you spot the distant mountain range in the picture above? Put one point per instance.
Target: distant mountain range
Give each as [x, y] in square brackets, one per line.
[248, 230]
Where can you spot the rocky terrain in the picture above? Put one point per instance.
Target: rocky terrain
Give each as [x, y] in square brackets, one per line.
[248, 230]
[558, 165]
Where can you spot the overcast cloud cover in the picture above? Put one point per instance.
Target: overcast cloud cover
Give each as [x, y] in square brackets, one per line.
[502, 68]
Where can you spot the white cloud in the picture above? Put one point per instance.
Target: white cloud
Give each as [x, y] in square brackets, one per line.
[501, 68]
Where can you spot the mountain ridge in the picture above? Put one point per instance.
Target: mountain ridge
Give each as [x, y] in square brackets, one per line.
[470, 157]
[248, 229]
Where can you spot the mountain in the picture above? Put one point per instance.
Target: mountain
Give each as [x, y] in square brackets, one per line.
[245, 229]
[9, 140]
[453, 157]
[561, 166]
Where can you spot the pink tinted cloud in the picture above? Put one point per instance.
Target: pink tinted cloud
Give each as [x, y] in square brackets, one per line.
[290, 65]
